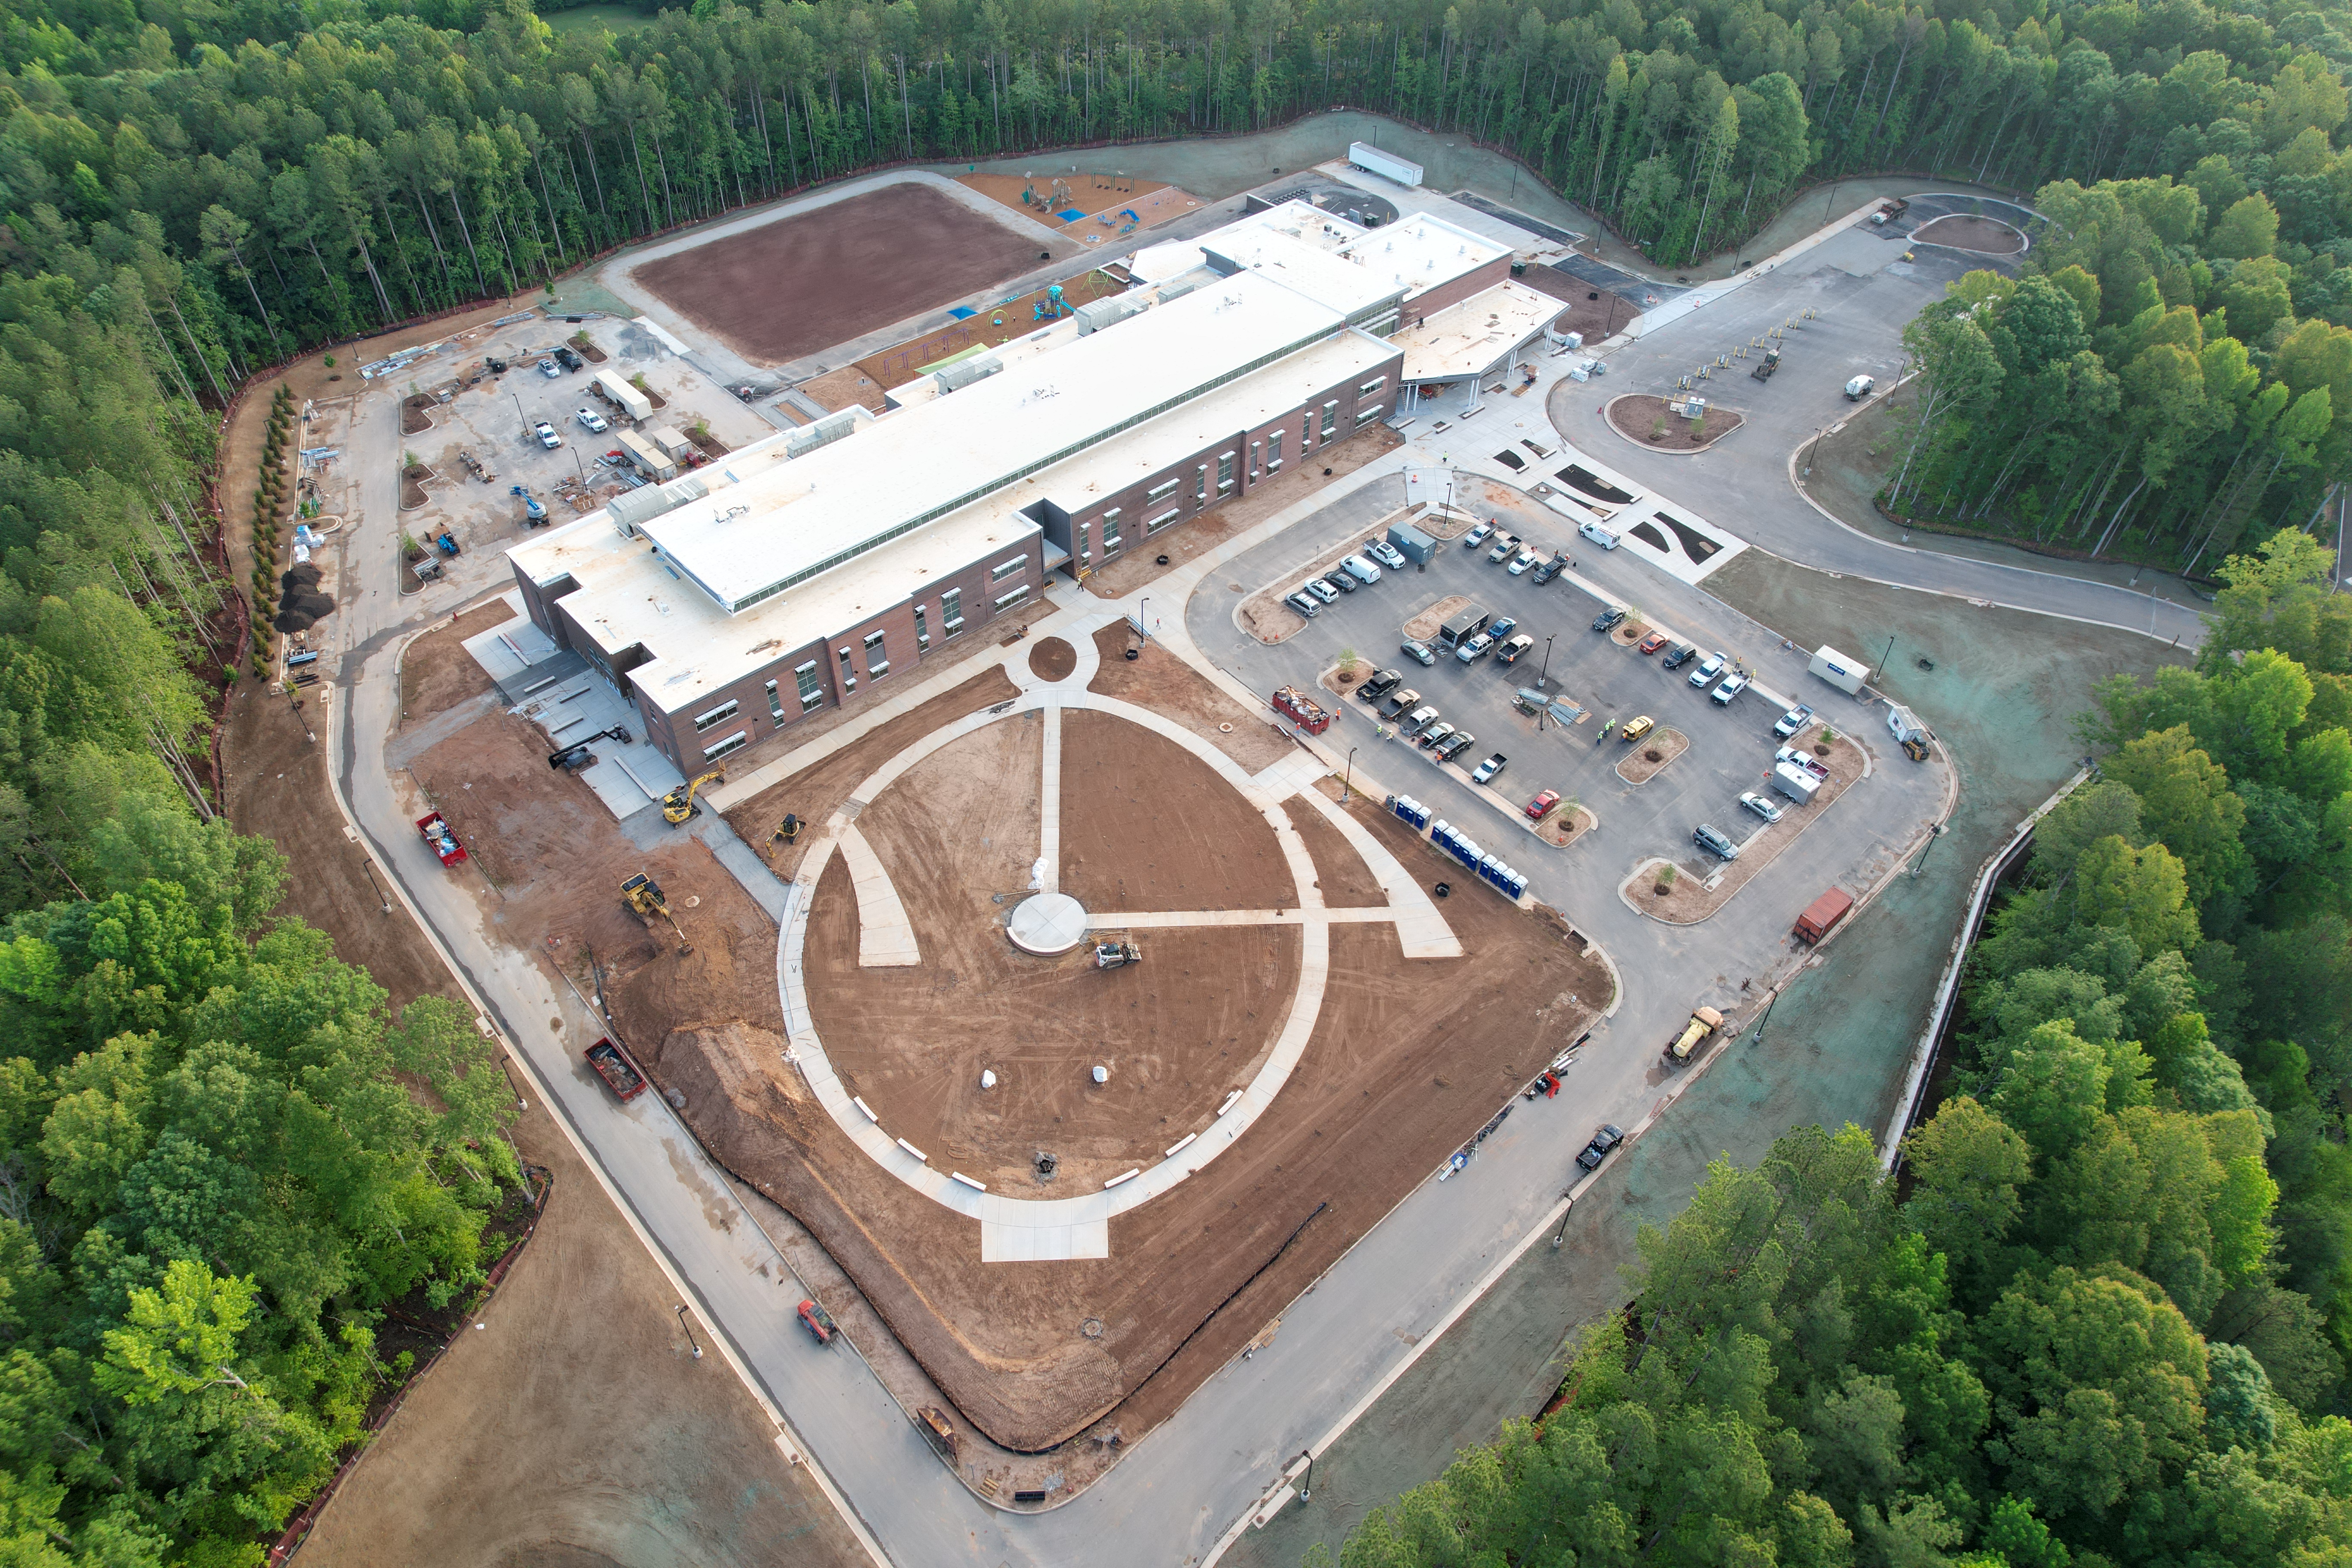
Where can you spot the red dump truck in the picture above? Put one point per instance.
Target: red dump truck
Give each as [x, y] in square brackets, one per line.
[1821, 916]
[440, 839]
[1307, 713]
[614, 1066]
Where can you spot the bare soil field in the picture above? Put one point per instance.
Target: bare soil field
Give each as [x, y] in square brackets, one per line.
[1346, 881]
[1690, 899]
[1053, 659]
[1405, 1062]
[1598, 320]
[999, 323]
[1160, 681]
[1965, 231]
[847, 387]
[800, 285]
[1178, 1032]
[1644, 419]
[1648, 757]
[816, 791]
[1145, 825]
[436, 673]
[1187, 541]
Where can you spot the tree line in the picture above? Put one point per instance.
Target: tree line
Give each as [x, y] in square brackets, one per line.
[2104, 1317]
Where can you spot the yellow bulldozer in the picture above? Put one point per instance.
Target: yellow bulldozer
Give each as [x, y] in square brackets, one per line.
[643, 895]
[680, 806]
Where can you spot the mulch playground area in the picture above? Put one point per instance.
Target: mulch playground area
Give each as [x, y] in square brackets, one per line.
[1000, 324]
[803, 284]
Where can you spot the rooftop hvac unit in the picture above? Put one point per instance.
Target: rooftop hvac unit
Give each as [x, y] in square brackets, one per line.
[965, 372]
[1177, 289]
[1102, 313]
[631, 511]
[830, 429]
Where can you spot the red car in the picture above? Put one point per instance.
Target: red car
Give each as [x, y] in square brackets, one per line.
[1540, 807]
[1653, 642]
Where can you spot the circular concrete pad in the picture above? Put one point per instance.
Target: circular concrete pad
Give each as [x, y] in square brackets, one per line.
[1047, 923]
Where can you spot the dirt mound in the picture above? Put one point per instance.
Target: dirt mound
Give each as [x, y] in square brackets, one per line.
[1053, 660]
[301, 604]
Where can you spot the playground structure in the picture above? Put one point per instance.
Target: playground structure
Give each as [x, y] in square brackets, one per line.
[1049, 305]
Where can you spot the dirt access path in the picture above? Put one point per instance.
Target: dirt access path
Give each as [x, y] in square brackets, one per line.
[1157, 679]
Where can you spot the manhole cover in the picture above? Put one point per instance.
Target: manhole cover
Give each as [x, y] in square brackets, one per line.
[1091, 1327]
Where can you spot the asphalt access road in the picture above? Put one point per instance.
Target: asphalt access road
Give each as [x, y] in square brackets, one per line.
[1864, 294]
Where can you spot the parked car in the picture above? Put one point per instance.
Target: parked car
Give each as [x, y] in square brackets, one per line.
[1637, 728]
[1477, 536]
[1420, 719]
[547, 435]
[1339, 581]
[1653, 643]
[1803, 758]
[589, 419]
[1607, 1139]
[1607, 619]
[1502, 551]
[1361, 570]
[550, 369]
[1541, 806]
[1432, 735]
[568, 360]
[1322, 591]
[1521, 562]
[1502, 628]
[1794, 720]
[1709, 668]
[1760, 807]
[1859, 388]
[1380, 685]
[1304, 603]
[1453, 745]
[1474, 649]
[1416, 650]
[1680, 653]
[1509, 652]
[1387, 555]
[1402, 701]
[1485, 772]
[1548, 570]
[1733, 685]
[1714, 842]
[1598, 534]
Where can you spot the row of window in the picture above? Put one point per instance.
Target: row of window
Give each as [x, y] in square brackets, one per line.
[1265, 457]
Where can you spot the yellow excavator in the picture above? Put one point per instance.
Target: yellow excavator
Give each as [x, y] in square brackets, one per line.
[787, 832]
[645, 896]
[678, 804]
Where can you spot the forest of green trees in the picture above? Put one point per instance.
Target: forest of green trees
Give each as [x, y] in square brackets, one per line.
[2104, 1317]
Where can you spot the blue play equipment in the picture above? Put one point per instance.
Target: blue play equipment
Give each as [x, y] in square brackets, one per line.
[1050, 307]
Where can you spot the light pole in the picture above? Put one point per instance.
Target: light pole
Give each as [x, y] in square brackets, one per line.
[1350, 782]
[519, 414]
[1811, 449]
[1934, 833]
[383, 897]
[1307, 1488]
[1770, 1003]
[1546, 672]
[1142, 627]
[1883, 657]
[689, 1332]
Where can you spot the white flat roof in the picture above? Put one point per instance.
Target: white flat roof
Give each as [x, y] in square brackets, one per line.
[1420, 252]
[819, 510]
[1467, 339]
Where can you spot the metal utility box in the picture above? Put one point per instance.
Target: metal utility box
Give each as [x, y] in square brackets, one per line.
[1904, 724]
[1386, 165]
[1411, 543]
[650, 460]
[1840, 669]
[671, 441]
[1463, 627]
[627, 398]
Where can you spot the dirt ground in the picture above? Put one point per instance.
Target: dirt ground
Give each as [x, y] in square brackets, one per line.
[1053, 659]
[1691, 900]
[845, 269]
[1424, 624]
[838, 389]
[1406, 1061]
[1346, 881]
[1637, 415]
[1160, 681]
[1187, 541]
[1001, 324]
[1145, 825]
[1564, 827]
[436, 673]
[1178, 1032]
[1963, 231]
[1598, 320]
[1636, 767]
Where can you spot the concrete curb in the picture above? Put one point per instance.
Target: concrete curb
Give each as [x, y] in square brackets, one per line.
[1608, 417]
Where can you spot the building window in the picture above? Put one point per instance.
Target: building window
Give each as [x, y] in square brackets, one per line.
[1258, 466]
[1017, 597]
[1368, 388]
[951, 611]
[1224, 472]
[1273, 450]
[1111, 535]
[877, 657]
[1201, 489]
[1163, 488]
[718, 715]
[733, 743]
[1155, 524]
[1366, 415]
[1331, 419]
[1305, 433]
[775, 703]
[848, 674]
[811, 695]
[922, 631]
[1003, 569]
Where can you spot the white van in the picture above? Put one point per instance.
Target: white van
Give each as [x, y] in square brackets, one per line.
[1598, 534]
[1361, 570]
